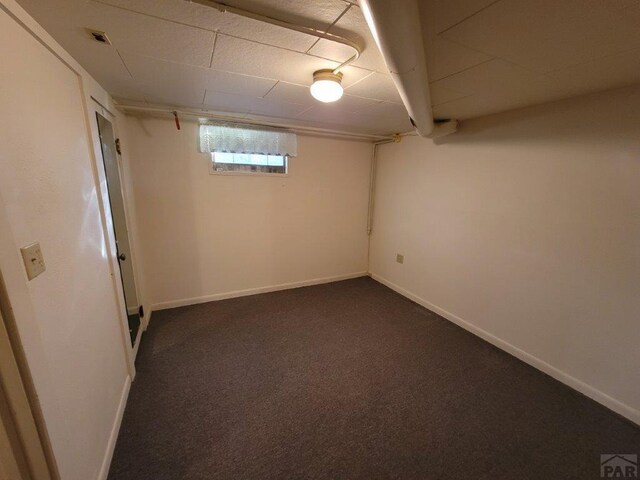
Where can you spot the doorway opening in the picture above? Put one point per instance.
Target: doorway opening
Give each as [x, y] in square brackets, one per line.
[119, 221]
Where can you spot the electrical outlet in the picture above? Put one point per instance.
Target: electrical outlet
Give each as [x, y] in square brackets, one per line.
[399, 258]
[33, 260]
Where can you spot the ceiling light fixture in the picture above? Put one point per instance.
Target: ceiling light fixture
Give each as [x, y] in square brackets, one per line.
[327, 85]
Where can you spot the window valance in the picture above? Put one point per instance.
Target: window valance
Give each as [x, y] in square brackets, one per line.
[236, 138]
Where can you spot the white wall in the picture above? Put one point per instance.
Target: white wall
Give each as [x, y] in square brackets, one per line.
[71, 318]
[209, 236]
[526, 225]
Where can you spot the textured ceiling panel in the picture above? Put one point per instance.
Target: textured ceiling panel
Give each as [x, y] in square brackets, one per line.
[509, 54]
[237, 55]
[445, 58]
[483, 56]
[209, 18]
[317, 14]
[264, 106]
[386, 118]
[493, 87]
[136, 33]
[438, 15]
[288, 92]
[127, 31]
[613, 71]
[348, 104]
[546, 35]
[226, 102]
[352, 26]
[381, 117]
[377, 85]
[226, 82]
[441, 94]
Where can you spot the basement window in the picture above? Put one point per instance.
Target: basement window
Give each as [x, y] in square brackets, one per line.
[247, 149]
[248, 163]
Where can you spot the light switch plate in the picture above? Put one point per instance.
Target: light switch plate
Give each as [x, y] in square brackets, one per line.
[33, 261]
[399, 258]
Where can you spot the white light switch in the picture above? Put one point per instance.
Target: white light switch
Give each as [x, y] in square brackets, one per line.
[33, 261]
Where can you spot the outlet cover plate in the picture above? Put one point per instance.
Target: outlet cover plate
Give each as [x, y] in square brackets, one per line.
[399, 258]
[33, 260]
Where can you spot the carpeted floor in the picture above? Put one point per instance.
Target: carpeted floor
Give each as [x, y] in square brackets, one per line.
[348, 380]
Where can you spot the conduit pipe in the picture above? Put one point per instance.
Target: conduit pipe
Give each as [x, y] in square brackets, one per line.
[223, 7]
[395, 26]
[201, 115]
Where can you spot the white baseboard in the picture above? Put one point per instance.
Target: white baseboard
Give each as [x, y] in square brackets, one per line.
[253, 291]
[113, 437]
[591, 392]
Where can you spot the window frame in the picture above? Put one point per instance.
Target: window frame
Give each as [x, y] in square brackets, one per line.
[213, 171]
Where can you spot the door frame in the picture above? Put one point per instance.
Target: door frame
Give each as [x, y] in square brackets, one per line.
[27, 453]
[116, 187]
[93, 107]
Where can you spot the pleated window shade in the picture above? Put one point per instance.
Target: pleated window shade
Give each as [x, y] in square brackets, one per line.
[234, 138]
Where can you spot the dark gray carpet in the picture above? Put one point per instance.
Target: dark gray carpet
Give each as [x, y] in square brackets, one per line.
[348, 380]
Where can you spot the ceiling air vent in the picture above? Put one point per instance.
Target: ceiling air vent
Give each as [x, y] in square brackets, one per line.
[99, 36]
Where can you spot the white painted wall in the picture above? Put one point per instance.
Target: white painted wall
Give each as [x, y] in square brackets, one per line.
[209, 236]
[526, 225]
[70, 318]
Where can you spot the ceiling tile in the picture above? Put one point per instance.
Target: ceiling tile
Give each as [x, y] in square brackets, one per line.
[227, 82]
[171, 82]
[546, 35]
[352, 26]
[438, 15]
[378, 86]
[492, 86]
[249, 58]
[441, 94]
[343, 112]
[289, 92]
[609, 72]
[490, 76]
[445, 58]
[227, 102]
[128, 31]
[312, 13]
[264, 106]
[386, 118]
[209, 18]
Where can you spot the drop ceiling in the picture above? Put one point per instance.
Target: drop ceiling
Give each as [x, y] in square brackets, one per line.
[483, 56]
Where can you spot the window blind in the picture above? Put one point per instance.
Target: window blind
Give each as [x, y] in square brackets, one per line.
[236, 138]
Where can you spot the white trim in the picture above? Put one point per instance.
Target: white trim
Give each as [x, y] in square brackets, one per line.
[111, 445]
[591, 392]
[138, 339]
[253, 291]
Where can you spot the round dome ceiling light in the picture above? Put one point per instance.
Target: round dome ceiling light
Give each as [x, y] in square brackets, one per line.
[327, 85]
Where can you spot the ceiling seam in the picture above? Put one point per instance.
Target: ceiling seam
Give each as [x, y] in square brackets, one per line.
[304, 111]
[216, 33]
[468, 17]
[269, 91]
[463, 70]
[363, 78]
[289, 50]
[205, 69]
[124, 63]
[329, 27]
[157, 17]
[213, 49]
